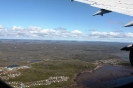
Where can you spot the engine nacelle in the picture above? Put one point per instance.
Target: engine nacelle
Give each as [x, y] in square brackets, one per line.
[71, 0]
[129, 48]
[101, 12]
[129, 24]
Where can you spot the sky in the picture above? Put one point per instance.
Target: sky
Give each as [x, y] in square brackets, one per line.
[61, 20]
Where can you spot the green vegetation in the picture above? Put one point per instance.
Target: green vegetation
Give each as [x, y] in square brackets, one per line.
[23, 51]
[45, 69]
[54, 58]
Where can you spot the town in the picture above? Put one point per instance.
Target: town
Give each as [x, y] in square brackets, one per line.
[48, 81]
[11, 72]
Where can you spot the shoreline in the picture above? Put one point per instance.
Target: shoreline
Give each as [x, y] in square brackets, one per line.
[98, 68]
[91, 71]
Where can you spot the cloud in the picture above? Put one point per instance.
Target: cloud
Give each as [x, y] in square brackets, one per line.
[34, 32]
[129, 35]
[110, 35]
[2, 27]
[77, 34]
[98, 34]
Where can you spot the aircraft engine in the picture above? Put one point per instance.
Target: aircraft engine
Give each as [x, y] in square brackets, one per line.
[101, 12]
[129, 24]
[129, 48]
[71, 0]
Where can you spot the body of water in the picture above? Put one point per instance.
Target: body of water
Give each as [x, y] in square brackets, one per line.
[106, 77]
[15, 65]
[36, 60]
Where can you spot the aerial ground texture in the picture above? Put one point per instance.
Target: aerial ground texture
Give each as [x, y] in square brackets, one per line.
[68, 64]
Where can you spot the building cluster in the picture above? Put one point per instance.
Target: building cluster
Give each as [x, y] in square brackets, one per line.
[36, 83]
[10, 72]
[107, 61]
[7, 73]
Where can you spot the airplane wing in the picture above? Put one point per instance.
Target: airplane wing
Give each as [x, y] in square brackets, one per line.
[107, 6]
[120, 6]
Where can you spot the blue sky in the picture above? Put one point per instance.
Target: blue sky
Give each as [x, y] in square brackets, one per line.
[60, 19]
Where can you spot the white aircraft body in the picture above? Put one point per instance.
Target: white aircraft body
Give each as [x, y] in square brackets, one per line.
[106, 6]
[120, 6]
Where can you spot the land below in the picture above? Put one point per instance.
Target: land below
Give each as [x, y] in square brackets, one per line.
[65, 64]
